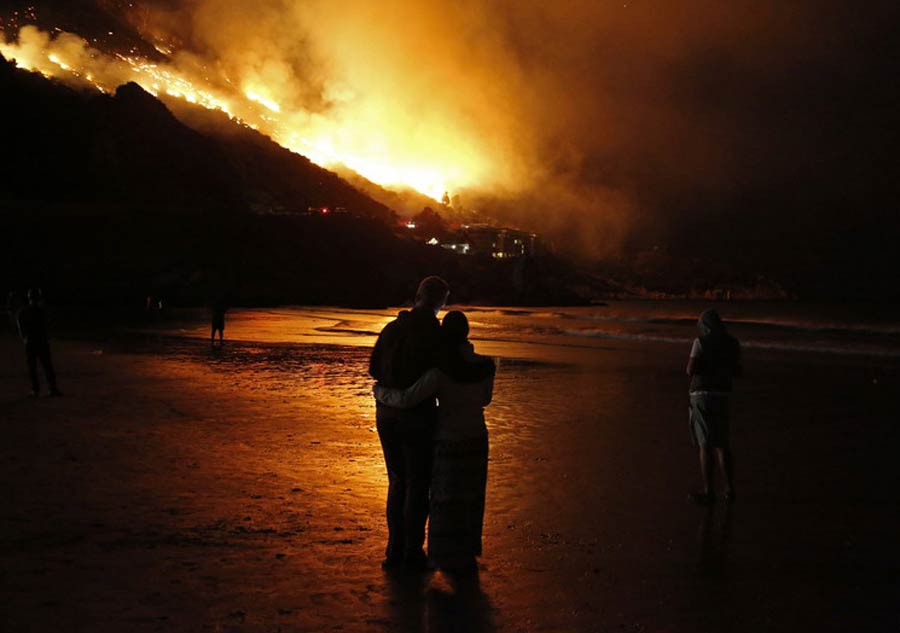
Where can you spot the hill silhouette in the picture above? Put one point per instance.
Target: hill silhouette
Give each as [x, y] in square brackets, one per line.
[73, 149]
[105, 199]
[272, 178]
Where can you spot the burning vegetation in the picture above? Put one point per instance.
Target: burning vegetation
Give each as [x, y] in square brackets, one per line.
[360, 141]
[618, 130]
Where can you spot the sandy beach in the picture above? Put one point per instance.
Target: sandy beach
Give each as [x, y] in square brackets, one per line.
[179, 488]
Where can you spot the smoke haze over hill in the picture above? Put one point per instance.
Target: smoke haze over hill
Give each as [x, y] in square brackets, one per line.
[620, 115]
[759, 132]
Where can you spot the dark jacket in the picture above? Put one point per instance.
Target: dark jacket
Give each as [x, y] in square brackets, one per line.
[32, 325]
[407, 347]
[719, 361]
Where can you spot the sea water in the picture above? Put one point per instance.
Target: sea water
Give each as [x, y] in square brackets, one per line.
[863, 330]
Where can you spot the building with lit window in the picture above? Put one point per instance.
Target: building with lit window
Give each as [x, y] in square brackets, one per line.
[499, 242]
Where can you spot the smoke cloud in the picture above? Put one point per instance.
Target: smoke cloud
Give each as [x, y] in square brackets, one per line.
[601, 123]
[593, 120]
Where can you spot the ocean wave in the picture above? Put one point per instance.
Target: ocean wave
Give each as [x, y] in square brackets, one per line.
[346, 327]
[644, 338]
[827, 327]
[525, 312]
[823, 348]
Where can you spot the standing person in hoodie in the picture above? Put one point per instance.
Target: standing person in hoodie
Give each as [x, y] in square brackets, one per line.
[715, 359]
[408, 347]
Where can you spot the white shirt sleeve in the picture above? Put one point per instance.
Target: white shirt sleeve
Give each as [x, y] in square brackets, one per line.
[407, 398]
[696, 348]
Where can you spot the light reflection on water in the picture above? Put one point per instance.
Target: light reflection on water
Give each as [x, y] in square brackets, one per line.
[559, 396]
[571, 419]
[589, 451]
[844, 329]
[553, 403]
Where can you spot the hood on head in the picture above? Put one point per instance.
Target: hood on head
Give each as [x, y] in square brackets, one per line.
[710, 323]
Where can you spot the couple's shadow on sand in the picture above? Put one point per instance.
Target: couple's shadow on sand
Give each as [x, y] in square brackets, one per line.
[440, 604]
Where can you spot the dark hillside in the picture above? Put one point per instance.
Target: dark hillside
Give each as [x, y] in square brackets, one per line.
[63, 146]
[105, 199]
[273, 178]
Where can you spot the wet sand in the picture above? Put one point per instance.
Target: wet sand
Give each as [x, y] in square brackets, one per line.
[174, 489]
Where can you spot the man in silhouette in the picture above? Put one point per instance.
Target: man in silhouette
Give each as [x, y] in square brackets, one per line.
[407, 347]
[715, 359]
[217, 316]
[33, 330]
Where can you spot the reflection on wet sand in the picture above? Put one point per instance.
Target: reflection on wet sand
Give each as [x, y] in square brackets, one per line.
[713, 537]
[247, 483]
[712, 589]
[439, 603]
[463, 606]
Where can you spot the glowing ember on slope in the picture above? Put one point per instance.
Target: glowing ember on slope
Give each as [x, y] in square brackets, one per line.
[370, 142]
[271, 105]
[58, 62]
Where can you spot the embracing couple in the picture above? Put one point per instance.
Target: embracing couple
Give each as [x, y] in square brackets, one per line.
[436, 454]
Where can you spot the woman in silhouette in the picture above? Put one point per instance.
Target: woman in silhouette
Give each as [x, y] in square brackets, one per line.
[714, 362]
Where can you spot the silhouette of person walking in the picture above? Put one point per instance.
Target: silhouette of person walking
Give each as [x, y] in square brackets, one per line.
[715, 359]
[406, 348]
[32, 324]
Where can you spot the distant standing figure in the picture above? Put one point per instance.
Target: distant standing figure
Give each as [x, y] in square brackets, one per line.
[715, 359]
[32, 325]
[217, 314]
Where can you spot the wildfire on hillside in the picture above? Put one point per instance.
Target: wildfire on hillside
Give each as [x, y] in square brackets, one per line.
[355, 143]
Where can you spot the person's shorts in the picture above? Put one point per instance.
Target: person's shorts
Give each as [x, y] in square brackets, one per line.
[709, 415]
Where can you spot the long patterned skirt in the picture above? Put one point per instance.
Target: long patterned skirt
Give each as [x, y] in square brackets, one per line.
[457, 502]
